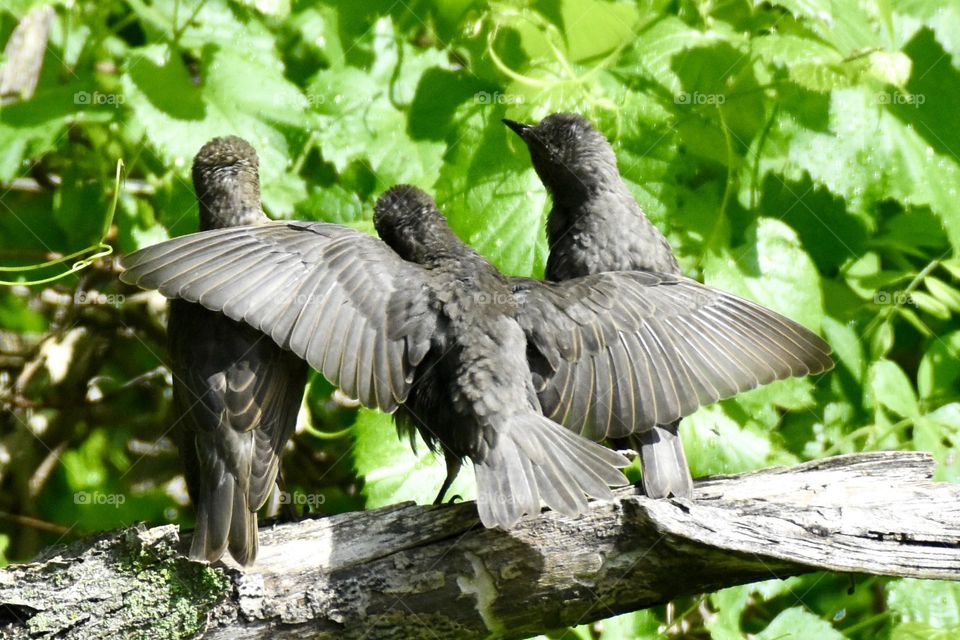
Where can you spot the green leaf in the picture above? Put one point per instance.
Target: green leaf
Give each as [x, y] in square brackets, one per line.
[922, 631]
[810, 63]
[338, 205]
[771, 268]
[80, 208]
[870, 155]
[215, 22]
[363, 113]
[138, 227]
[29, 129]
[654, 49]
[593, 28]
[493, 198]
[938, 375]
[16, 314]
[792, 394]
[861, 274]
[278, 8]
[637, 625]
[240, 93]
[890, 67]
[797, 623]
[731, 603]
[939, 434]
[953, 266]
[929, 304]
[943, 292]
[913, 230]
[910, 316]
[881, 342]
[942, 17]
[847, 346]
[889, 386]
[715, 443]
[935, 603]
[847, 26]
[392, 472]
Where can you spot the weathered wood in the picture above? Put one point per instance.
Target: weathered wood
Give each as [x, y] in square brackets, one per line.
[431, 572]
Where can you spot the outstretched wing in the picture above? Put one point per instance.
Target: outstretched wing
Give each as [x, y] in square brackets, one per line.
[340, 299]
[616, 353]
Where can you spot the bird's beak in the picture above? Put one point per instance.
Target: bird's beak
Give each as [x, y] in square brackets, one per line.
[522, 130]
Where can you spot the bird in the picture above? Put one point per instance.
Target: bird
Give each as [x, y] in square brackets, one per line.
[237, 394]
[415, 322]
[594, 226]
[389, 322]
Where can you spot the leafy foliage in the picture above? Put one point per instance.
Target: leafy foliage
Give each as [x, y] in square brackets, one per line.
[802, 154]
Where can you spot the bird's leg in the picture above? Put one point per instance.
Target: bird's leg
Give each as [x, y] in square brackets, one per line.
[453, 468]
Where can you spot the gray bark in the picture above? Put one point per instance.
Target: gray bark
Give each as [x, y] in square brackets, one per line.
[432, 572]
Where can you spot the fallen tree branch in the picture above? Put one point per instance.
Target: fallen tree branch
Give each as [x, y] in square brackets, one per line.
[432, 572]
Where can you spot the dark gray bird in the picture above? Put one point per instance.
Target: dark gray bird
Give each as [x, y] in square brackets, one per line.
[236, 393]
[419, 323]
[596, 226]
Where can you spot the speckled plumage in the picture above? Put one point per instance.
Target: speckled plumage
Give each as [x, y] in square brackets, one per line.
[418, 323]
[596, 226]
[236, 393]
[226, 178]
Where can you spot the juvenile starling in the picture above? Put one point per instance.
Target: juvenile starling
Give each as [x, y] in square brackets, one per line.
[682, 362]
[418, 323]
[236, 393]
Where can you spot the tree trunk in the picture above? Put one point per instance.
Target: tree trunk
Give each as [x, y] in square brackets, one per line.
[433, 572]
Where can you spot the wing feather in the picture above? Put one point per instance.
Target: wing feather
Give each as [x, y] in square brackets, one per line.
[340, 299]
[624, 351]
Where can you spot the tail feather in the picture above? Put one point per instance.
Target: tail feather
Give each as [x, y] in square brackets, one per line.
[224, 519]
[562, 492]
[214, 506]
[553, 489]
[663, 463]
[586, 483]
[243, 531]
[600, 462]
[265, 459]
[536, 459]
[506, 486]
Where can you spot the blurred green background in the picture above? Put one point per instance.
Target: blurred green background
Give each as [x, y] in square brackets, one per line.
[802, 153]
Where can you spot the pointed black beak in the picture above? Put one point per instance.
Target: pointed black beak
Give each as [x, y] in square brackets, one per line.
[522, 130]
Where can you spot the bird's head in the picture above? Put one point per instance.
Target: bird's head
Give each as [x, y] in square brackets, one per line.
[568, 152]
[226, 177]
[407, 219]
